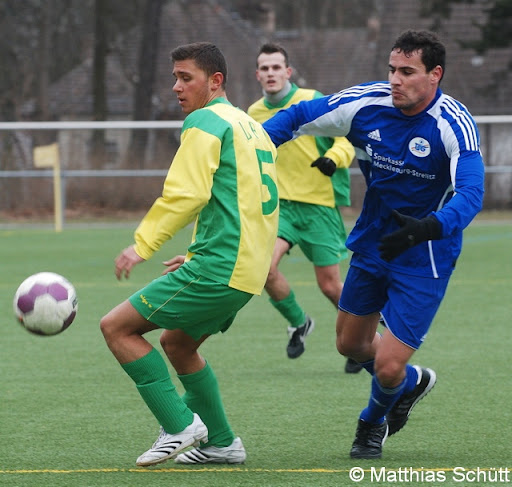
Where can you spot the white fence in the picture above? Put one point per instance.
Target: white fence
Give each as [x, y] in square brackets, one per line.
[496, 134]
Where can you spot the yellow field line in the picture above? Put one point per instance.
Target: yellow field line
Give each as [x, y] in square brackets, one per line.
[174, 470]
[226, 469]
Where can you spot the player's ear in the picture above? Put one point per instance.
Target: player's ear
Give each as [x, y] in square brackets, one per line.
[437, 74]
[216, 80]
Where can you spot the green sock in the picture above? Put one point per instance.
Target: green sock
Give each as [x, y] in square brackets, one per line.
[290, 309]
[203, 397]
[154, 384]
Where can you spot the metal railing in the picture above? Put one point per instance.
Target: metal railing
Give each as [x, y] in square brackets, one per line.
[485, 123]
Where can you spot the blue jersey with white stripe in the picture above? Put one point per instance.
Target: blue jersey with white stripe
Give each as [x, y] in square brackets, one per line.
[429, 163]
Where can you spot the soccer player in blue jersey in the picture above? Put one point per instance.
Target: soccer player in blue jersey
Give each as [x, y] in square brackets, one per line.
[419, 152]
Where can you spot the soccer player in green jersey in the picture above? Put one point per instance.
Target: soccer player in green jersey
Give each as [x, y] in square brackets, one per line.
[223, 178]
[309, 199]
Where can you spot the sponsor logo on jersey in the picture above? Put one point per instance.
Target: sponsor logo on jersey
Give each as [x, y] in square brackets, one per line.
[369, 150]
[375, 135]
[419, 147]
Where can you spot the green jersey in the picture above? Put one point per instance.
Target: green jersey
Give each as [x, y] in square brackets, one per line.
[297, 181]
[223, 177]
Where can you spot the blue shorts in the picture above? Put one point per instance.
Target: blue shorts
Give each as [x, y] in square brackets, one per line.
[407, 303]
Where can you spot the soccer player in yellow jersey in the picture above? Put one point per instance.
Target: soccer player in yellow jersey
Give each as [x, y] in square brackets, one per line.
[309, 198]
[223, 178]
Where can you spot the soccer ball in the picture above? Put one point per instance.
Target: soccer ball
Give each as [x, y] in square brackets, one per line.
[45, 303]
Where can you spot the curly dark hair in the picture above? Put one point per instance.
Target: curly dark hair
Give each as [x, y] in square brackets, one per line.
[433, 52]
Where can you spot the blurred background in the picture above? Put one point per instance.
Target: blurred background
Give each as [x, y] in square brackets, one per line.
[108, 60]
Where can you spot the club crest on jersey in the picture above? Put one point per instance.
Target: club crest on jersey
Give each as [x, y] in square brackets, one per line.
[419, 147]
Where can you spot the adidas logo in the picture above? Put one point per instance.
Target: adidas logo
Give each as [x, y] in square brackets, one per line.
[375, 135]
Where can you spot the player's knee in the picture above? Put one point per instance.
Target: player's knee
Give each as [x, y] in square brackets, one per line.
[390, 373]
[107, 327]
[340, 346]
[168, 345]
[353, 346]
[329, 283]
[347, 348]
[272, 276]
[175, 350]
[331, 290]
[113, 327]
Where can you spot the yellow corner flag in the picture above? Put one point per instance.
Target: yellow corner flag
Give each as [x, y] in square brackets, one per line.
[48, 156]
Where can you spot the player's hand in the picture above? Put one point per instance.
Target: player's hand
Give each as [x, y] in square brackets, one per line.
[411, 233]
[173, 264]
[325, 166]
[126, 261]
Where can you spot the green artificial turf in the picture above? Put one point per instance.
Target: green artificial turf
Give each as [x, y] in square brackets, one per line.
[69, 415]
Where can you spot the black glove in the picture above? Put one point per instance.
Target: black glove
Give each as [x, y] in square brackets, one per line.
[325, 166]
[412, 233]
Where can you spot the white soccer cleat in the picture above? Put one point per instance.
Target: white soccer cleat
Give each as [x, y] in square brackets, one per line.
[234, 453]
[169, 445]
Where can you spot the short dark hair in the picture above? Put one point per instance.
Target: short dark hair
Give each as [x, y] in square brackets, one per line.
[271, 47]
[433, 52]
[206, 55]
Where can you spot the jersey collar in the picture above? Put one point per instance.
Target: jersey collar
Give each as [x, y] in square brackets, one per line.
[284, 101]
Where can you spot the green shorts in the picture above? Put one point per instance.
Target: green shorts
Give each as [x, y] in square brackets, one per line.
[318, 231]
[187, 301]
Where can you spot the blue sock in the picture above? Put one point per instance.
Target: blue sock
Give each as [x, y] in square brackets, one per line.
[368, 366]
[411, 377]
[381, 401]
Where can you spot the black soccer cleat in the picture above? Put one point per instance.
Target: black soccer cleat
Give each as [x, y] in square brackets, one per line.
[352, 367]
[297, 336]
[399, 413]
[369, 440]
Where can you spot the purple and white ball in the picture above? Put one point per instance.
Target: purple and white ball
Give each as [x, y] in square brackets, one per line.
[45, 303]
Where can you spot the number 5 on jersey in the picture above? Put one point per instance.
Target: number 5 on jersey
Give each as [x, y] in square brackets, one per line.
[265, 157]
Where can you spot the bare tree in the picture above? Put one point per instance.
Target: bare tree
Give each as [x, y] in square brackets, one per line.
[99, 88]
[145, 80]
[495, 33]
[111, 18]
[304, 14]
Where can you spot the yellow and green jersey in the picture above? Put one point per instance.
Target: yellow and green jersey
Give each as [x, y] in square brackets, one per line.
[223, 177]
[297, 180]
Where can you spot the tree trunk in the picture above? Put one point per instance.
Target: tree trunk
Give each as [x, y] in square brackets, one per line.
[147, 64]
[99, 90]
[43, 137]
